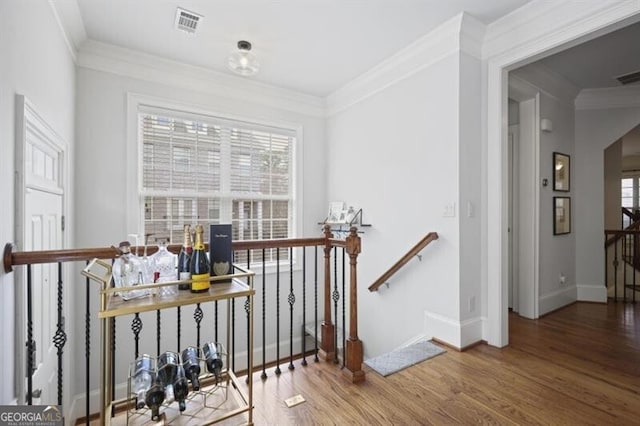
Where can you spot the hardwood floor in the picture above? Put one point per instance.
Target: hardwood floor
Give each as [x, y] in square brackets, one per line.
[577, 366]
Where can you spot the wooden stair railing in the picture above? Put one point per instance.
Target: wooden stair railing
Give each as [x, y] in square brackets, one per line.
[352, 353]
[431, 236]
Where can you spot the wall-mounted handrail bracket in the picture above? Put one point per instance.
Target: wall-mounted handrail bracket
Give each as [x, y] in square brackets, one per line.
[419, 256]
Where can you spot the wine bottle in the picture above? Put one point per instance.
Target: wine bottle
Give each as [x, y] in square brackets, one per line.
[167, 371]
[142, 375]
[181, 388]
[212, 356]
[191, 365]
[184, 259]
[155, 397]
[200, 270]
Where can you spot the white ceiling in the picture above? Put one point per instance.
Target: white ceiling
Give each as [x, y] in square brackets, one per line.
[596, 63]
[311, 46]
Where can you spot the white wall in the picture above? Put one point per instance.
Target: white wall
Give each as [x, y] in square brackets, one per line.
[395, 154]
[470, 147]
[595, 130]
[34, 62]
[556, 252]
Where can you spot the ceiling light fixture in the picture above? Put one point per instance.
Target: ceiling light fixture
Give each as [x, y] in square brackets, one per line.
[242, 61]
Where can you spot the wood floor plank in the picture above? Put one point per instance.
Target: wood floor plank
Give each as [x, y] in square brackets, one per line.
[577, 366]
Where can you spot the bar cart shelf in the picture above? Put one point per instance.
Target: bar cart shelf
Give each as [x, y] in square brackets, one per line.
[239, 284]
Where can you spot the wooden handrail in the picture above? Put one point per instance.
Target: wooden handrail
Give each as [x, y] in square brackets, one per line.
[11, 258]
[431, 236]
[633, 229]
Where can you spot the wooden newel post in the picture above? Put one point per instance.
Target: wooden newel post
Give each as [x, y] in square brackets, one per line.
[327, 344]
[354, 353]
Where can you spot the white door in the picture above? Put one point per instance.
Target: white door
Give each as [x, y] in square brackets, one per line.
[40, 184]
[43, 215]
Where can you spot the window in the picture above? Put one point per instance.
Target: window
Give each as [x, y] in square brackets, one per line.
[203, 169]
[629, 197]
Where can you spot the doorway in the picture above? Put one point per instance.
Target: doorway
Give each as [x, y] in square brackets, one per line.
[40, 204]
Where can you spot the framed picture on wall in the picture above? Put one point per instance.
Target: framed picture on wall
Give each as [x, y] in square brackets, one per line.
[561, 215]
[561, 172]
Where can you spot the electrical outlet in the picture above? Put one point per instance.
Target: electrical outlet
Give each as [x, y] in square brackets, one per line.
[563, 279]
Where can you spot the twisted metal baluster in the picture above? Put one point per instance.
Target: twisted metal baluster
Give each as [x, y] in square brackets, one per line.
[304, 305]
[336, 298]
[248, 311]
[87, 347]
[344, 299]
[60, 337]
[263, 376]
[278, 311]
[315, 306]
[292, 300]
[30, 342]
[136, 327]
[198, 315]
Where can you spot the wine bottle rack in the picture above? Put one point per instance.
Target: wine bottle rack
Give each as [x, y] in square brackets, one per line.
[239, 284]
[203, 403]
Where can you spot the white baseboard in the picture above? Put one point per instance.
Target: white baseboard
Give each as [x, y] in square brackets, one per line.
[557, 299]
[592, 293]
[454, 333]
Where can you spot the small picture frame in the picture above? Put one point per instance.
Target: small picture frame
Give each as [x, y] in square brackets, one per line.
[561, 172]
[561, 215]
[336, 212]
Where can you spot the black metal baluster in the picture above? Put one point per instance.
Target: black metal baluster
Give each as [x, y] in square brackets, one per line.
[30, 343]
[233, 334]
[198, 315]
[158, 332]
[247, 308]
[292, 300]
[179, 325]
[336, 298]
[60, 337]
[113, 366]
[344, 326]
[87, 348]
[315, 305]
[278, 311]
[304, 305]
[215, 305]
[615, 270]
[136, 327]
[263, 376]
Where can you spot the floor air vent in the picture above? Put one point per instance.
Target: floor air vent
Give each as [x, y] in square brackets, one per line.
[187, 21]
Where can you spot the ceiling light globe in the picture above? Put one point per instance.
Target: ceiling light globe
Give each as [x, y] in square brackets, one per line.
[242, 61]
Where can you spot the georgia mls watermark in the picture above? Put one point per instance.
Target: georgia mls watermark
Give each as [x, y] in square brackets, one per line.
[31, 415]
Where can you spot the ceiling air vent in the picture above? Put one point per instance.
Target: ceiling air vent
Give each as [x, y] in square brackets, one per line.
[629, 78]
[187, 21]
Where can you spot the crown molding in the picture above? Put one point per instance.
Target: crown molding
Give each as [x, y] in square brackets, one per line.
[69, 19]
[134, 64]
[542, 27]
[423, 53]
[608, 98]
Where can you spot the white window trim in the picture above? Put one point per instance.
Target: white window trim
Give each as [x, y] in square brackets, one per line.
[134, 219]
